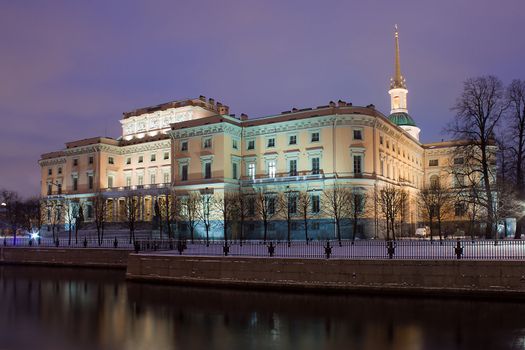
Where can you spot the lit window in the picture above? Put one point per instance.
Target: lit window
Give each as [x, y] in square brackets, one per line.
[271, 168]
[152, 179]
[128, 181]
[140, 180]
[110, 181]
[166, 177]
[251, 170]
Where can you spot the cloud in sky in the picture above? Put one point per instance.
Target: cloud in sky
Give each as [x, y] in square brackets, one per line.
[69, 69]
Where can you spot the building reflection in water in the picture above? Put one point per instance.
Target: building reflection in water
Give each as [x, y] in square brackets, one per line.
[93, 309]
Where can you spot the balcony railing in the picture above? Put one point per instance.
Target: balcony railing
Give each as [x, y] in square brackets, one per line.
[284, 177]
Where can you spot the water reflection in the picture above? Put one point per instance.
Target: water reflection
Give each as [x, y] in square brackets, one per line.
[95, 309]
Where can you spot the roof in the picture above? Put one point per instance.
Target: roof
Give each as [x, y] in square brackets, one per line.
[401, 118]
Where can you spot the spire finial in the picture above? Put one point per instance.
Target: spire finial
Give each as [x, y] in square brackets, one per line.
[397, 80]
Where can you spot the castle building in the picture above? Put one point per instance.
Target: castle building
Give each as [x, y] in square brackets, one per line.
[197, 146]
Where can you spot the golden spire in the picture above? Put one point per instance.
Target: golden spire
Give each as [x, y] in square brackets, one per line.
[397, 81]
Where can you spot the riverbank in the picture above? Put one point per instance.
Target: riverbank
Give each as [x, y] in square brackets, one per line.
[443, 278]
[69, 257]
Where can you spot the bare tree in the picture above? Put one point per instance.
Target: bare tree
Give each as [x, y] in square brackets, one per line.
[226, 204]
[100, 208]
[54, 215]
[357, 202]
[70, 216]
[304, 206]
[287, 209]
[391, 200]
[515, 95]
[478, 113]
[242, 213]
[168, 211]
[336, 202]
[132, 207]
[436, 201]
[204, 214]
[79, 221]
[265, 208]
[190, 211]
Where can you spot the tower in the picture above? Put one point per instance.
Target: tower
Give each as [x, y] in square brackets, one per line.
[398, 97]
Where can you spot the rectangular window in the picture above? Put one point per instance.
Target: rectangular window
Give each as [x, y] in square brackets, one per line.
[49, 189]
[152, 179]
[90, 160]
[166, 177]
[110, 181]
[111, 160]
[458, 161]
[459, 209]
[184, 146]
[315, 166]
[433, 162]
[358, 134]
[49, 171]
[251, 145]
[380, 140]
[293, 140]
[75, 184]
[234, 144]
[153, 157]
[141, 159]
[316, 203]
[128, 160]
[387, 144]
[315, 137]
[292, 204]
[59, 188]
[207, 170]
[271, 205]
[75, 162]
[459, 180]
[271, 168]
[251, 170]
[89, 211]
[60, 170]
[166, 155]
[184, 173]
[90, 182]
[271, 142]
[206, 142]
[140, 180]
[293, 167]
[128, 180]
[251, 207]
[234, 170]
[357, 165]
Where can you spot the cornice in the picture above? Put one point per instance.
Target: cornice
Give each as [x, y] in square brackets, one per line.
[202, 130]
[52, 161]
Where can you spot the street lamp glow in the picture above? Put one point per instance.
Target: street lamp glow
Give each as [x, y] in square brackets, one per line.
[35, 234]
[3, 204]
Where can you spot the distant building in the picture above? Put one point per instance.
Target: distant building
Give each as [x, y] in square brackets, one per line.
[196, 145]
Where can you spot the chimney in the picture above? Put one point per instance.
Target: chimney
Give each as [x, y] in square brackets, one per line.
[223, 110]
[211, 101]
[294, 109]
[202, 98]
[331, 104]
[371, 106]
[341, 103]
[244, 116]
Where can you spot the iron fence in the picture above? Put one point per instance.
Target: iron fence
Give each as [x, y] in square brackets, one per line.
[330, 249]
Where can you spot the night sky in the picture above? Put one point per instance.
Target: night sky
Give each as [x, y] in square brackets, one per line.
[68, 69]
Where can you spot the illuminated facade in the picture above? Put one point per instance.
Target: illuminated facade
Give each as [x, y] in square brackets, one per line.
[196, 145]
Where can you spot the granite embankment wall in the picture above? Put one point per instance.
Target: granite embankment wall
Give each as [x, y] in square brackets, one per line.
[80, 257]
[499, 279]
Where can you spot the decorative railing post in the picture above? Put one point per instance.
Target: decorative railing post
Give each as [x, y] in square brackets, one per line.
[458, 250]
[390, 249]
[327, 250]
[271, 249]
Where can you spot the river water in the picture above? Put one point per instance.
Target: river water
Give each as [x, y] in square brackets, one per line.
[59, 308]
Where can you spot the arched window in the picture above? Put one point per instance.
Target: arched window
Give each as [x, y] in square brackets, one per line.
[434, 181]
